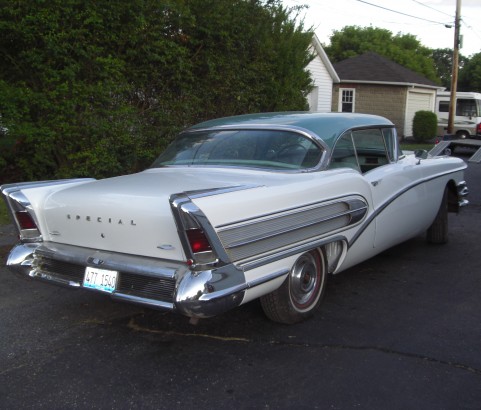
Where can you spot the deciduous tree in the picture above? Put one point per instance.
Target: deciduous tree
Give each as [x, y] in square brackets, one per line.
[404, 49]
[470, 75]
[443, 62]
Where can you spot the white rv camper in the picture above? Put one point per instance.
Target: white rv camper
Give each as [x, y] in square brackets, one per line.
[467, 120]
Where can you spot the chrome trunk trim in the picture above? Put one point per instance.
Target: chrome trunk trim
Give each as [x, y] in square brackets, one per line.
[272, 127]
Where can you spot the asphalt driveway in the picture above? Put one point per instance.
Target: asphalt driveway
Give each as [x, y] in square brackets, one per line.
[400, 331]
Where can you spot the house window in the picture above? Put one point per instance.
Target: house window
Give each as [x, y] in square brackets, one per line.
[346, 99]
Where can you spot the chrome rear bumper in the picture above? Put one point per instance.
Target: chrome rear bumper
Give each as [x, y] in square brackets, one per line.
[154, 283]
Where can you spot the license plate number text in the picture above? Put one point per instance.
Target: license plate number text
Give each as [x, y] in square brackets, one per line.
[100, 279]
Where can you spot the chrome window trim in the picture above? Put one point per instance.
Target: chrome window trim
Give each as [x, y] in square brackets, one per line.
[377, 127]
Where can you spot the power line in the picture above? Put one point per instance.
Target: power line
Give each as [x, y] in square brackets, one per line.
[399, 12]
[432, 8]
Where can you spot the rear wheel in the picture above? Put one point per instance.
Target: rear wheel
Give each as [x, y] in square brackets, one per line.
[301, 293]
[438, 231]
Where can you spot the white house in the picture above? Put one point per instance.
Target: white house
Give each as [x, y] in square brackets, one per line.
[323, 76]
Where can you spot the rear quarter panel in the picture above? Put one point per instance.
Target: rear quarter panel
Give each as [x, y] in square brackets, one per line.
[296, 190]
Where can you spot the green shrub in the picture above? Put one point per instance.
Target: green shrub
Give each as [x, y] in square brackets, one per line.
[425, 125]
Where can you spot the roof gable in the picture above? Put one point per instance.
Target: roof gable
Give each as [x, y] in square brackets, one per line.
[317, 46]
[371, 67]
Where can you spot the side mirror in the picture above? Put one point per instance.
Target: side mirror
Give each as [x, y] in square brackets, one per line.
[421, 154]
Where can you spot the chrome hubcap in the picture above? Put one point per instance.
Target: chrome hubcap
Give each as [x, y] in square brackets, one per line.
[305, 281]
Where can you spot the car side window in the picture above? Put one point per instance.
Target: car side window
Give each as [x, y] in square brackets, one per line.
[393, 149]
[370, 149]
[363, 150]
[344, 154]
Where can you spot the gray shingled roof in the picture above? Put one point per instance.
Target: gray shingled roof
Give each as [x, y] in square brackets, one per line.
[371, 67]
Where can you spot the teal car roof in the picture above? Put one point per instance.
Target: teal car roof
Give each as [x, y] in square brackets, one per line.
[327, 126]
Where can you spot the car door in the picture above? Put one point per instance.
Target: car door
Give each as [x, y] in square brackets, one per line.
[398, 194]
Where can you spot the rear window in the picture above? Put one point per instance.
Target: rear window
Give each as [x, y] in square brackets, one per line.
[267, 149]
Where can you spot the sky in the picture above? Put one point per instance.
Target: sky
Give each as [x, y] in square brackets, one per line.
[426, 20]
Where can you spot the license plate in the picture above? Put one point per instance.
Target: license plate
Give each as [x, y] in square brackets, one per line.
[100, 279]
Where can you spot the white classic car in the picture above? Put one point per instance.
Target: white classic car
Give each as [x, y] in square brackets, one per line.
[263, 205]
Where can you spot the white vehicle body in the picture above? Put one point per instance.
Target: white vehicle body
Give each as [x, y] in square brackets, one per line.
[258, 223]
[467, 119]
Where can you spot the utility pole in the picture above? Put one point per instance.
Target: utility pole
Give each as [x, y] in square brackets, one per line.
[454, 76]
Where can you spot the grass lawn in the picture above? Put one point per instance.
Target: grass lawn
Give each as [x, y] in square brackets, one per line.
[414, 147]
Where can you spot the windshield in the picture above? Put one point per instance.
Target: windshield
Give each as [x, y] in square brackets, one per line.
[270, 149]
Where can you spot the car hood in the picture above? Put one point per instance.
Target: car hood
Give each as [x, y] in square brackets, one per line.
[131, 214]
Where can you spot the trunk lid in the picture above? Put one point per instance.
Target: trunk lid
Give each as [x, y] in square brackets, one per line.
[129, 214]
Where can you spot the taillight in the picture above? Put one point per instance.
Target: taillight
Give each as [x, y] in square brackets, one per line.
[198, 241]
[22, 212]
[478, 129]
[24, 220]
[27, 228]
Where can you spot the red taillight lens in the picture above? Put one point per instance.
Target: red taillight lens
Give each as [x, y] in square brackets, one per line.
[198, 241]
[478, 131]
[25, 221]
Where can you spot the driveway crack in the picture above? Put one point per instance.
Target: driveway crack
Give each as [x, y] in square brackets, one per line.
[387, 351]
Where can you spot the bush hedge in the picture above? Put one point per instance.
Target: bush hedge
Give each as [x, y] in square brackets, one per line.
[99, 87]
[425, 125]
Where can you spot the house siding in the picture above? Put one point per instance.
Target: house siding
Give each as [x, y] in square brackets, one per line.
[385, 100]
[321, 96]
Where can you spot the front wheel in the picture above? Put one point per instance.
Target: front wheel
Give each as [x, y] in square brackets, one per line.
[301, 293]
[438, 231]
